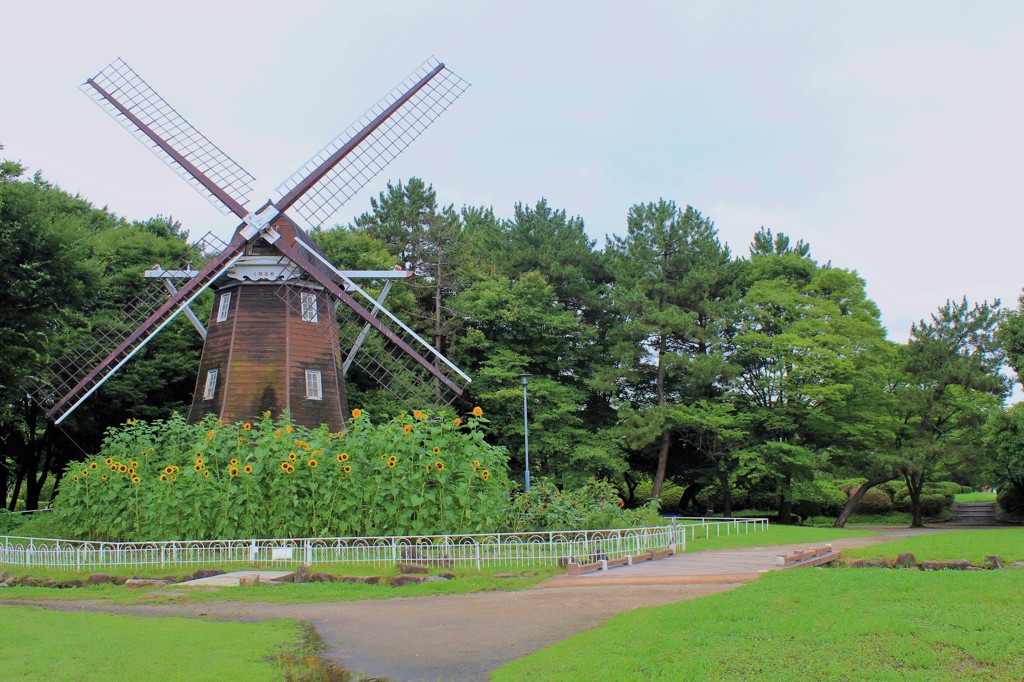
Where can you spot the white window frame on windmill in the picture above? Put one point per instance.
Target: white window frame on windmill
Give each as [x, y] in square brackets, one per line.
[309, 308]
[314, 385]
[225, 307]
[210, 389]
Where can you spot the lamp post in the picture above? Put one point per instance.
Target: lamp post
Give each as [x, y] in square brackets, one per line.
[526, 429]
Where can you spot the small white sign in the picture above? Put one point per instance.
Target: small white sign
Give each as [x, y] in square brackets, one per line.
[280, 553]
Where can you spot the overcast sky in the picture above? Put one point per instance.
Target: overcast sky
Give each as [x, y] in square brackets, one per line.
[887, 135]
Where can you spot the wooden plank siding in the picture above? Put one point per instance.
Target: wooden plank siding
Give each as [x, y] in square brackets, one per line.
[262, 352]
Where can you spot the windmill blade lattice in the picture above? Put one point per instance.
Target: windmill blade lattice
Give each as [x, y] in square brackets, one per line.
[135, 105]
[371, 142]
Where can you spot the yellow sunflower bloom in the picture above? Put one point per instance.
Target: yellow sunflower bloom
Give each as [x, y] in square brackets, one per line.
[93, 465]
[311, 464]
[485, 475]
[357, 413]
[232, 471]
[163, 477]
[439, 465]
[277, 433]
[233, 462]
[457, 421]
[284, 466]
[247, 426]
[134, 464]
[288, 428]
[108, 461]
[211, 434]
[347, 469]
[206, 473]
[136, 479]
[75, 479]
[477, 411]
[292, 457]
[407, 428]
[247, 469]
[391, 464]
[103, 477]
[436, 450]
[168, 470]
[343, 457]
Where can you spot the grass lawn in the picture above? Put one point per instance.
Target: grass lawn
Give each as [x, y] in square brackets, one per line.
[466, 581]
[973, 545]
[841, 624]
[975, 497]
[774, 535]
[46, 645]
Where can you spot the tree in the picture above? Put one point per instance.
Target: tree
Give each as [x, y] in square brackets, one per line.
[671, 277]
[952, 381]
[806, 337]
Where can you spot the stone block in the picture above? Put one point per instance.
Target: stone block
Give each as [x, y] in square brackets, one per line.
[406, 579]
[905, 560]
[99, 579]
[208, 573]
[411, 568]
[145, 582]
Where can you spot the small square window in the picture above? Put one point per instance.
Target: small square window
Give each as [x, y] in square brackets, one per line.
[309, 312]
[211, 385]
[314, 389]
[225, 307]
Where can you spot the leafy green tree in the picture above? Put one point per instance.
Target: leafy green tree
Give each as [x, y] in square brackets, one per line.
[1004, 442]
[672, 276]
[952, 381]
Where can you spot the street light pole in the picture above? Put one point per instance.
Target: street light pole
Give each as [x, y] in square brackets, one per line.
[526, 429]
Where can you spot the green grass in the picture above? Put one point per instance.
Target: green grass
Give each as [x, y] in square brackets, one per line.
[466, 581]
[46, 645]
[840, 624]
[774, 535]
[973, 545]
[975, 497]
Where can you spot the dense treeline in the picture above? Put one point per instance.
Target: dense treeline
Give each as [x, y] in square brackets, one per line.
[659, 360]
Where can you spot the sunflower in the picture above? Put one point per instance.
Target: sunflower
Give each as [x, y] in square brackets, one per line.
[247, 469]
[407, 428]
[211, 434]
[284, 466]
[168, 470]
[439, 465]
[347, 469]
[290, 469]
[477, 411]
[485, 475]
[108, 461]
[417, 414]
[103, 477]
[206, 473]
[476, 464]
[391, 464]
[357, 413]
[85, 472]
[121, 468]
[247, 426]
[343, 457]
[292, 457]
[241, 441]
[176, 469]
[136, 480]
[457, 421]
[341, 433]
[131, 471]
[436, 450]
[393, 458]
[311, 464]
[232, 471]
[75, 479]
[277, 433]
[199, 459]
[114, 466]
[198, 467]
[422, 416]
[305, 446]
[93, 466]
[163, 477]
[288, 428]
[233, 462]
[134, 464]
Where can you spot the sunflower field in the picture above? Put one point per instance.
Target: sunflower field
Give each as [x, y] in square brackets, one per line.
[416, 474]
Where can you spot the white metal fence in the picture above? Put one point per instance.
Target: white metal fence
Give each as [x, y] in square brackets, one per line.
[469, 550]
[523, 549]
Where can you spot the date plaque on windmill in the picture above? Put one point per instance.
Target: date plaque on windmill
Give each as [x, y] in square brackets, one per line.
[287, 324]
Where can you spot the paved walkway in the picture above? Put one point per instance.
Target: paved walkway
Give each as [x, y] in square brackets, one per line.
[464, 637]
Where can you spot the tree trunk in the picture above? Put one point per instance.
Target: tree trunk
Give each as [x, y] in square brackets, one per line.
[689, 496]
[630, 488]
[17, 490]
[659, 474]
[915, 485]
[785, 502]
[855, 499]
[723, 483]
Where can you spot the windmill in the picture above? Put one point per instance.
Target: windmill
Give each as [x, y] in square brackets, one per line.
[286, 324]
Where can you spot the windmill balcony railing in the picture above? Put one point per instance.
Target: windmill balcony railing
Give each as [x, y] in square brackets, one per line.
[472, 550]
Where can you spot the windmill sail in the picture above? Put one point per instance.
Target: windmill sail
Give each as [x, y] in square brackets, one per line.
[318, 189]
[135, 105]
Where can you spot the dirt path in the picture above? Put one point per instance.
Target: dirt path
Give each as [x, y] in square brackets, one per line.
[464, 637]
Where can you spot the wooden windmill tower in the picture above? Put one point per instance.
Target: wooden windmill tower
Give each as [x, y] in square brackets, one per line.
[274, 341]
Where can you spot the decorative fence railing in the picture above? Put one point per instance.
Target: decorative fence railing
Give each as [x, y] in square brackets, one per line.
[524, 549]
[711, 526]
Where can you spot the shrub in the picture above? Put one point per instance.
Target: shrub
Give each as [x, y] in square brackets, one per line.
[875, 501]
[412, 475]
[593, 506]
[1011, 500]
[818, 497]
[670, 493]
